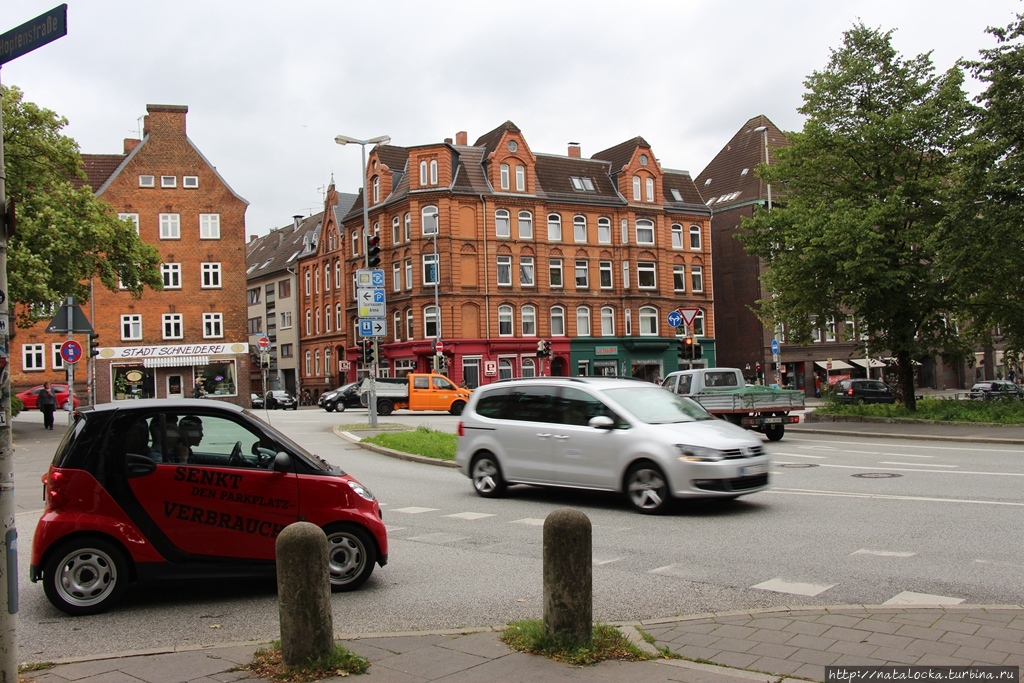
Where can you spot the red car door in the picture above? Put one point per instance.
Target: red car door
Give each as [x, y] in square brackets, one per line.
[211, 493]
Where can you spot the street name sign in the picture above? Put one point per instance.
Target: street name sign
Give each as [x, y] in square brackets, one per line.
[34, 33]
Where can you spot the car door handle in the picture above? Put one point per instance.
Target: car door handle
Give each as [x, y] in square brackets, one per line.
[562, 436]
[543, 435]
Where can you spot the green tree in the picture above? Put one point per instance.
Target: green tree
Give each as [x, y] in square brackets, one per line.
[986, 242]
[65, 235]
[866, 190]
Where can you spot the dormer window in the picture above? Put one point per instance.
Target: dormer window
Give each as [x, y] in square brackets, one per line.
[504, 177]
[582, 184]
[433, 171]
[675, 195]
[520, 178]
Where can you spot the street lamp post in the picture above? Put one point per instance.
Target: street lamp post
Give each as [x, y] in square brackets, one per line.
[371, 405]
[437, 279]
[775, 356]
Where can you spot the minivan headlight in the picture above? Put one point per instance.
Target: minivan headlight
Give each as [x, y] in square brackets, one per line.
[699, 454]
[360, 490]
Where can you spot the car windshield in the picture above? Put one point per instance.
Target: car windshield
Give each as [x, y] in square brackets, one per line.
[314, 460]
[656, 405]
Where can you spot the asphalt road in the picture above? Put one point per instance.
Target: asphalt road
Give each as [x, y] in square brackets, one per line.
[945, 527]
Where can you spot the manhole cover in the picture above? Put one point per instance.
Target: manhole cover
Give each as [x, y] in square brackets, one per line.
[796, 464]
[877, 475]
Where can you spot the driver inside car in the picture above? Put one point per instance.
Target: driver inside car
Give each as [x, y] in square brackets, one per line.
[192, 430]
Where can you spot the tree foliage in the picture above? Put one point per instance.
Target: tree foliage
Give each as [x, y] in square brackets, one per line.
[866, 190]
[65, 236]
[986, 241]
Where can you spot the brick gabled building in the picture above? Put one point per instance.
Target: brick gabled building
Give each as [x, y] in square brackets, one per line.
[194, 331]
[589, 254]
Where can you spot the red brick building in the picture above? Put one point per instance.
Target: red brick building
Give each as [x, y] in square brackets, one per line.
[588, 254]
[194, 331]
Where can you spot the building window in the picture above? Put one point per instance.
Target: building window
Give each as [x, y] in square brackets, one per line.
[830, 329]
[309, 281]
[582, 321]
[172, 279]
[579, 229]
[316, 363]
[502, 224]
[526, 275]
[33, 357]
[696, 279]
[625, 274]
[430, 323]
[376, 189]
[317, 328]
[355, 243]
[433, 171]
[409, 325]
[521, 178]
[505, 368]
[172, 326]
[604, 274]
[168, 181]
[213, 325]
[327, 318]
[648, 321]
[170, 226]
[190, 182]
[254, 293]
[650, 189]
[408, 273]
[698, 324]
[607, 321]
[695, 237]
[147, 181]
[396, 276]
[133, 217]
[646, 275]
[505, 271]
[604, 230]
[131, 327]
[337, 316]
[429, 220]
[677, 236]
[644, 232]
[629, 321]
[503, 173]
[327, 277]
[284, 289]
[529, 321]
[57, 361]
[529, 367]
[285, 318]
[337, 274]
[209, 226]
[582, 275]
[679, 278]
[504, 321]
[430, 269]
[636, 188]
[211, 276]
[624, 230]
[554, 227]
[407, 221]
[316, 279]
[396, 324]
[423, 173]
[525, 225]
[286, 350]
[557, 321]
[555, 273]
[396, 230]
[309, 364]
[309, 322]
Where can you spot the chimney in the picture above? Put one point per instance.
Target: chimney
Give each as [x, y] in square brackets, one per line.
[574, 150]
[295, 220]
[252, 238]
[447, 141]
[461, 138]
[165, 118]
[130, 144]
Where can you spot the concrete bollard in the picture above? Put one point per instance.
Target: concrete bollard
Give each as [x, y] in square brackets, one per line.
[568, 577]
[304, 594]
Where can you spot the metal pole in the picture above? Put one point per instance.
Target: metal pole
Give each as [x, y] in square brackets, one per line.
[9, 540]
[70, 367]
[371, 406]
[437, 305]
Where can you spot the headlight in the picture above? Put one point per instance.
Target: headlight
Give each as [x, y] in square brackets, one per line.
[360, 490]
[699, 454]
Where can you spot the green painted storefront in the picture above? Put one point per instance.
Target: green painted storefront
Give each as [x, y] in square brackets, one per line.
[649, 358]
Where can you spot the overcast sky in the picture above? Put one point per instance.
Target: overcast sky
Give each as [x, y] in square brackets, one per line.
[269, 84]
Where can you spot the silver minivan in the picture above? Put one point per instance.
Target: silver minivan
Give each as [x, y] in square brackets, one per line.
[605, 434]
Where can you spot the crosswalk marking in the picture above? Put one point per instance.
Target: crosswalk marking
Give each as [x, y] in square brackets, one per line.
[598, 563]
[911, 598]
[414, 510]
[529, 520]
[470, 515]
[882, 553]
[437, 538]
[793, 587]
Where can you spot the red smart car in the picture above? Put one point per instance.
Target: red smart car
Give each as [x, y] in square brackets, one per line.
[175, 488]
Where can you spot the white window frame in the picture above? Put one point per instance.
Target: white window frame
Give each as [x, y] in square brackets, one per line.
[431, 322]
[677, 236]
[636, 188]
[423, 172]
[33, 357]
[648, 321]
[695, 238]
[147, 181]
[520, 179]
[170, 226]
[407, 221]
[503, 173]
[557, 319]
[607, 321]
[650, 189]
[133, 217]
[429, 220]
[644, 227]
[285, 320]
[396, 230]
[502, 223]
[408, 273]
[433, 171]
[604, 268]
[213, 325]
[527, 272]
[579, 223]
[212, 276]
[168, 181]
[431, 266]
[327, 318]
[554, 227]
[583, 321]
[604, 230]
[555, 266]
[649, 268]
[830, 329]
[624, 230]
[396, 325]
[504, 270]
[525, 225]
[625, 274]
[209, 226]
[679, 277]
[528, 320]
[697, 279]
[628, 313]
[190, 182]
[131, 327]
[410, 324]
[581, 266]
[396, 276]
[337, 316]
[56, 360]
[172, 325]
[506, 321]
[171, 273]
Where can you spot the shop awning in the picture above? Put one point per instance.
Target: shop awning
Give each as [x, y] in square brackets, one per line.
[175, 361]
[864, 363]
[836, 365]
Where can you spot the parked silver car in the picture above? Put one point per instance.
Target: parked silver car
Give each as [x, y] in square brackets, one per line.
[605, 434]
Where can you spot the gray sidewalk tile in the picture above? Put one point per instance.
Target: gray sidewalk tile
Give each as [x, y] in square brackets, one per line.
[963, 639]
[431, 662]
[772, 650]
[734, 644]
[738, 659]
[404, 643]
[1008, 646]
[813, 642]
[733, 631]
[934, 647]
[842, 620]
[846, 647]
[80, 670]
[807, 628]
[694, 652]
[980, 654]
[696, 639]
[379, 674]
[773, 623]
[896, 655]
[486, 645]
[919, 632]
[176, 667]
[781, 667]
[765, 635]
[847, 634]
[886, 640]
[819, 657]
[814, 672]
[878, 625]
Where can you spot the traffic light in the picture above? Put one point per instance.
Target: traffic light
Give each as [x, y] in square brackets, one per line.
[364, 349]
[540, 348]
[686, 348]
[697, 353]
[371, 350]
[94, 348]
[547, 349]
[373, 251]
[264, 360]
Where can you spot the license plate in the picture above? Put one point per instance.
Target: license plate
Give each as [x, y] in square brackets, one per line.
[753, 470]
[772, 420]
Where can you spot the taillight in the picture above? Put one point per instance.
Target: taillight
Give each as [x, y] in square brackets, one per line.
[458, 430]
[53, 485]
[849, 392]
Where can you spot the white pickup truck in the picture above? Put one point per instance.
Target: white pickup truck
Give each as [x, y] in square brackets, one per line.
[723, 393]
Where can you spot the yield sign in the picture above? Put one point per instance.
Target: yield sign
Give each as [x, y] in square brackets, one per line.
[688, 314]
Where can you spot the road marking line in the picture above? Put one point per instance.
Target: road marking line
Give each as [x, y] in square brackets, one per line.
[793, 588]
[393, 528]
[850, 494]
[994, 563]
[437, 538]
[529, 520]
[599, 563]
[799, 455]
[791, 435]
[882, 553]
[899, 469]
[470, 515]
[914, 464]
[911, 598]
[414, 510]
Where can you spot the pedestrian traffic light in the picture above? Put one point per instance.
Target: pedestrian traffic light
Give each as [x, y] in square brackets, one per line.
[373, 251]
[94, 348]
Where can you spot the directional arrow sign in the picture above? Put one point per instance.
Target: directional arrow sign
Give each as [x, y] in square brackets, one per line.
[675, 319]
[370, 296]
[373, 327]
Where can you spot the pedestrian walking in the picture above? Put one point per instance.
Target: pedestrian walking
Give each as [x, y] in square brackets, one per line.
[47, 403]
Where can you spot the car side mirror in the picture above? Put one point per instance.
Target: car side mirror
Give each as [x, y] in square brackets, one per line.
[601, 422]
[282, 462]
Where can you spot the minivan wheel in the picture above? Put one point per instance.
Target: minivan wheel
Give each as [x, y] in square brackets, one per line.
[647, 489]
[457, 408]
[351, 554]
[85, 576]
[487, 479]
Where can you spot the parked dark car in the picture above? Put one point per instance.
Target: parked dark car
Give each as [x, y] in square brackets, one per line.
[997, 388]
[257, 400]
[182, 488]
[861, 391]
[345, 396]
[279, 398]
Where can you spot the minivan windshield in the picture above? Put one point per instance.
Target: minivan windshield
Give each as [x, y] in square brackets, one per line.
[656, 405]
